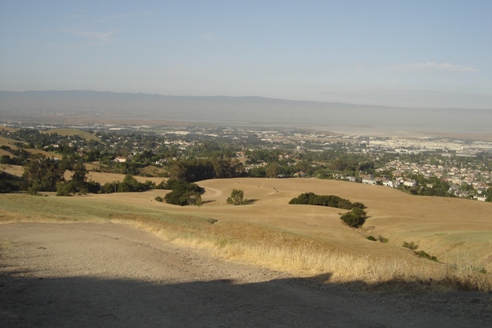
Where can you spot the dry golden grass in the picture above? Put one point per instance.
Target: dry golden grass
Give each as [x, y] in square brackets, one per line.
[73, 132]
[257, 232]
[310, 240]
[100, 177]
[4, 152]
[9, 142]
[12, 169]
[8, 129]
[152, 171]
[103, 178]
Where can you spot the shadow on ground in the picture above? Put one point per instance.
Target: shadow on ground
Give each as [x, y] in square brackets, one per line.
[28, 301]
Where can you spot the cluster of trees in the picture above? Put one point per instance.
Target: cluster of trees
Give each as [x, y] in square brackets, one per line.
[36, 139]
[311, 198]
[183, 193]
[129, 184]
[11, 183]
[47, 174]
[192, 170]
[18, 158]
[281, 168]
[43, 174]
[78, 183]
[355, 218]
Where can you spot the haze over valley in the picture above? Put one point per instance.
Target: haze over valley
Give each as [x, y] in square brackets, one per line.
[92, 107]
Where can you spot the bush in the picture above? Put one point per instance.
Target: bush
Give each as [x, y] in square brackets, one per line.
[425, 255]
[411, 245]
[371, 238]
[129, 184]
[183, 193]
[182, 198]
[311, 198]
[354, 219]
[65, 189]
[382, 239]
[237, 198]
[159, 199]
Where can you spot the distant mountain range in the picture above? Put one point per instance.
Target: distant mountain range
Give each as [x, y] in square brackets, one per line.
[238, 110]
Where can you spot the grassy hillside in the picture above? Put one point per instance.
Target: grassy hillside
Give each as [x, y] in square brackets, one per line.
[302, 239]
[12, 144]
[72, 132]
[100, 177]
[8, 129]
[9, 142]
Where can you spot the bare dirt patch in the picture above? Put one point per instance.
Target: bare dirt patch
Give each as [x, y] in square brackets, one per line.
[106, 275]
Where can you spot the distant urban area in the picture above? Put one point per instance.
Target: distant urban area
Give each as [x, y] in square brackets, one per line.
[430, 165]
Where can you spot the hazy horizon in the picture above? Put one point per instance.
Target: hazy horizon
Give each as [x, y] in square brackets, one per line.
[94, 106]
[238, 97]
[417, 54]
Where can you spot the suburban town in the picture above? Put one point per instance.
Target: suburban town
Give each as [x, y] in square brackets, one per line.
[426, 165]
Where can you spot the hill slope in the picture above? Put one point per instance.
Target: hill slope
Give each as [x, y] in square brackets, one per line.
[302, 238]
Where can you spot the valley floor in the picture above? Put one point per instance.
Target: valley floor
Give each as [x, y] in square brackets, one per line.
[107, 275]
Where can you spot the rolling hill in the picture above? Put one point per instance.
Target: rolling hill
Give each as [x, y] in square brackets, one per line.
[302, 238]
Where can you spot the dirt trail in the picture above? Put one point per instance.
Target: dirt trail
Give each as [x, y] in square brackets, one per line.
[111, 275]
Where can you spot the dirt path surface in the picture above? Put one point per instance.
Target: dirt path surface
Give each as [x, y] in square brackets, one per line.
[111, 275]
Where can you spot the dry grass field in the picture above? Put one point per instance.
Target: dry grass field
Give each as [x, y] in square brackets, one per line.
[305, 240]
[8, 129]
[12, 144]
[9, 142]
[102, 178]
[72, 132]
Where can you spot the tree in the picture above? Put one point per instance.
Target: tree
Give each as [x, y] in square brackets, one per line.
[78, 183]
[183, 193]
[79, 174]
[272, 170]
[42, 174]
[9, 183]
[354, 218]
[237, 198]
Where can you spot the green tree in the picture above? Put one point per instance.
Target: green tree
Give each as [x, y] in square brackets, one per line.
[272, 170]
[237, 198]
[354, 218]
[79, 174]
[42, 174]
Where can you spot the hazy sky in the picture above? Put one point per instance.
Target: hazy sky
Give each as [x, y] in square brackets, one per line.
[409, 53]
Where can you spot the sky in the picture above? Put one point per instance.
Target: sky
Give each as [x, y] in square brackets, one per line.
[430, 54]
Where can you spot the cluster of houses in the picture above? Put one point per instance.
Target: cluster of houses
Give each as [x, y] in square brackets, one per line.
[383, 181]
[478, 193]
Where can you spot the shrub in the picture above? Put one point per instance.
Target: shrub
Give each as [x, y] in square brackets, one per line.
[129, 184]
[411, 245]
[371, 238]
[311, 198]
[425, 255]
[383, 240]
[159, 199]
[183, 193]
[353, 219]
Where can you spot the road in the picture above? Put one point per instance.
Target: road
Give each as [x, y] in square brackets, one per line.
[114, 275]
